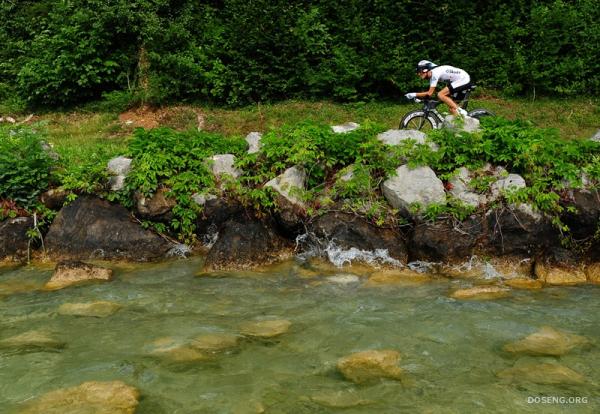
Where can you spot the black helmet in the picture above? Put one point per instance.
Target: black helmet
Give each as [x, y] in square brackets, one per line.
[425, 66]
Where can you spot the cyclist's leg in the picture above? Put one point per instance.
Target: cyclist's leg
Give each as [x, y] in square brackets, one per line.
[444, 96]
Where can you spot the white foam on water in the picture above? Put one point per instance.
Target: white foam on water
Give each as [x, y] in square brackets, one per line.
[340, 257]
[179, 250]
[421, 266]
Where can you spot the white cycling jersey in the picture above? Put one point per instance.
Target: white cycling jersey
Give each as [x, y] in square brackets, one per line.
[446, 73]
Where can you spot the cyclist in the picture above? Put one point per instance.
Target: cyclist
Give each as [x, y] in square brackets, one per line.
[458, 80]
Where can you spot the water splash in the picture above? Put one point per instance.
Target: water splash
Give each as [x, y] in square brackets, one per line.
[179, 250]
[421, 266]
[341, 257]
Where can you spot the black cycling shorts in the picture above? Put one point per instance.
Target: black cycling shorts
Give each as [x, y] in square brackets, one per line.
[460, 88]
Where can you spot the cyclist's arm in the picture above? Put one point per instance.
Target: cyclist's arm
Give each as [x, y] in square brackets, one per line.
[427, 94]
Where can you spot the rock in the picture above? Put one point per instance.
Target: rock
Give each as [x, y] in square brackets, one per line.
[346, 174]
[524, 283]
[446, 241]
[93, 228]
[203, 199]
[398, 277]
[116, 182]
[547, 341]
[119, 166]
[289, 186]
[596, 136]
[156, 205]
[173, 351]
[111, 397]
[265, 329]
[215, 213]
[582, 222]
[417, 188]
[466, 124]
[246, 245]
[559, 274]
[100, 309]
[14, 239]
[348, 231]
[398, 136]
[340, 399]
[347, 127]
[481, 293]
[54, 198]
[514, 232]
[545, 374]
[343, 279]
[72, 273]
[33, 341]
[460, 189]
[213, 343]
[508, 267]
[223, 164]
[593, 273]
[253, 140]
[371, 365]
[510, 183]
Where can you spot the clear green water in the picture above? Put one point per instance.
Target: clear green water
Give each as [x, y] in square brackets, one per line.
[451, 350]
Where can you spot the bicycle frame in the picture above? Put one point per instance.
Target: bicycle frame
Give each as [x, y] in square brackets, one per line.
[429, 106]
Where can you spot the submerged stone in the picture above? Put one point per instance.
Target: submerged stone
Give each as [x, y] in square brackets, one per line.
[524, 283]
[111, 397]
[545, 374]
[398, 277]
[481, 292]
[72, 273]
[265, 329]
[216, 342]
[32, 341]
[343, 279]
[593, 273]
[173, 351]
[370, 365]
[547, 341]
[340, 399]
[99, 309]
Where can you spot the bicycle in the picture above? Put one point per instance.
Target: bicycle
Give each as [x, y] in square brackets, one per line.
[429, 118]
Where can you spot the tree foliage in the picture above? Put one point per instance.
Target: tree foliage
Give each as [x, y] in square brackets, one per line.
[236, 52]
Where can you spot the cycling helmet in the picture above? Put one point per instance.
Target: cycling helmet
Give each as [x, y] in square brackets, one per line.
[425, 66]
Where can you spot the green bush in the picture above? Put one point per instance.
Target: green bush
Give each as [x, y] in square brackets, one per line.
[24, 165]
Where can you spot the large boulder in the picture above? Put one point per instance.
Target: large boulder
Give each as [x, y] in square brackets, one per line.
[413, 189]
[348, 231]
[216, 211]
[111, 397]
[94, 228]
[516, 231]
[368, 366]
[510, 183]
[14, 239]
[289, 187]
[245, 245]
[74, 273]
[446, 241]
[560, 266]
[583, 221]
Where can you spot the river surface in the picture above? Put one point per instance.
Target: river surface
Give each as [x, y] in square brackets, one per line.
[451, 350]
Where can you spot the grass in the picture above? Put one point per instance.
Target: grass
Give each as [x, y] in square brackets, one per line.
[574, 118]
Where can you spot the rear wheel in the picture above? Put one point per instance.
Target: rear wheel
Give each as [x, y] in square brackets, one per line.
[480, 113]
[417, 120]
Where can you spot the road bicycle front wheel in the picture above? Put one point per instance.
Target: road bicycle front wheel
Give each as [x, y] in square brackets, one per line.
[419, 121]
[480, 113]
